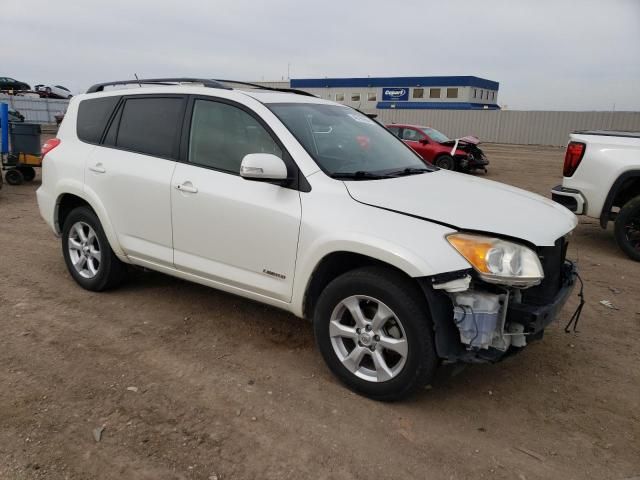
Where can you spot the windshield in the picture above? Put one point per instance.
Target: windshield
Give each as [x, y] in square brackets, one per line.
[344, 142]
[435, 134]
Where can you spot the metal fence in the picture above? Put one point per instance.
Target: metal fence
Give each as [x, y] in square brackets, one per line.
[497, 126]
[35, 110]
[511, 126]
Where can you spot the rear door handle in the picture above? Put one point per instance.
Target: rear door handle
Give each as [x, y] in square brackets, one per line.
[186, 187]
[98, 168]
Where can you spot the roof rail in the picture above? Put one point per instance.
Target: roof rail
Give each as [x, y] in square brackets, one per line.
[262, 87]
[99, 87]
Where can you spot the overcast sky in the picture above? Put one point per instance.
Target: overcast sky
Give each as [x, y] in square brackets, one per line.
[560, 55]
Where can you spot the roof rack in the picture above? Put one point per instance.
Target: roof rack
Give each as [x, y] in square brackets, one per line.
[99, 87]
[263, 87]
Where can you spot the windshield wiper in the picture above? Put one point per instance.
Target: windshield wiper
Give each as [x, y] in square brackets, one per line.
[359, 175]
[408, 171]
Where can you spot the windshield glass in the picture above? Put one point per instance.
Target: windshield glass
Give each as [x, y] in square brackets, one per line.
[435, 134]
[343, 141]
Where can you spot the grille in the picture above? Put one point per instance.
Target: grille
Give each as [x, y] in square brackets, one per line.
[552, 260]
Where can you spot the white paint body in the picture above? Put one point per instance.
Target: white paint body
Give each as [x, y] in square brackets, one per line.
[228, 232]
[57, 91]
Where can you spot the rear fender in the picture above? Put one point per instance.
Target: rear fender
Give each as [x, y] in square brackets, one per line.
[76, 188]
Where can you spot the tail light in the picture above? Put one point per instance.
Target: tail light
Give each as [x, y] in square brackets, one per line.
[49, 145]
[573, 157]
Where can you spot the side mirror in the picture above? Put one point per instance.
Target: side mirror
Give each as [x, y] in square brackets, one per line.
[424, 141]
[263, 167]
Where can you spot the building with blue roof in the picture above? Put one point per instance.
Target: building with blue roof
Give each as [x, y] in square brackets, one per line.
[372, 93]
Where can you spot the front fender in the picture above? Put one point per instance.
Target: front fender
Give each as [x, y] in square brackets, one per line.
[416, 247]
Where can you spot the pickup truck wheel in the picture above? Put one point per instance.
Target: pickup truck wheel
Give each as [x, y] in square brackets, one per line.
[627, 229]
[87, 253]
[446, 162]
[373, 328]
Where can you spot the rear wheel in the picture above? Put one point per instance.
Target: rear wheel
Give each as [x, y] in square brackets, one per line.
[446, 162]
[627, 228]
[87, 253]
[373, 328]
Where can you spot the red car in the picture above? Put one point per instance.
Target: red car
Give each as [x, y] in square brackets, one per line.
[434, 147]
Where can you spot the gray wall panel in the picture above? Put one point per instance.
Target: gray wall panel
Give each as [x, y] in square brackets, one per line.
[513, 126]
[36, 110]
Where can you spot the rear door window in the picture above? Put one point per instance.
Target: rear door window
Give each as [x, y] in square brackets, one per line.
[93, 115]
[150, 125]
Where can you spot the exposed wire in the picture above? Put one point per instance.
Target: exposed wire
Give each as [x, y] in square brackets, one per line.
[576, 315]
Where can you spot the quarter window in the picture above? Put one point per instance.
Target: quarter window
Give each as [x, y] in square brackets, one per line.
[150, 125]
[93, 115]
[434, 93]
[452, 93]
[418, 92]
[221, 135]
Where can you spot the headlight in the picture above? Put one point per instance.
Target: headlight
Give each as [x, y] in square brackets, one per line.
[499, 261]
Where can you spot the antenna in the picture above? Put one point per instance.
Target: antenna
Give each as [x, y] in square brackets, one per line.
[136, 75]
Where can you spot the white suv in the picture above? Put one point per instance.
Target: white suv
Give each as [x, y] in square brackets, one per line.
[312, 207]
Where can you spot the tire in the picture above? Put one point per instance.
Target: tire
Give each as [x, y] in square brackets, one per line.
[627, 229]
[101, 269]
[409, 327]
[446, 162]
[14, 177]
[28, 173]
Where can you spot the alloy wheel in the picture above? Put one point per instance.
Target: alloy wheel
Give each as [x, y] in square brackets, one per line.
[368, 338]
[632, 233]
[84, 249]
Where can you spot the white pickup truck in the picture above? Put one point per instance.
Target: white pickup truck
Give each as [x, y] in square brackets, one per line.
[602, 180]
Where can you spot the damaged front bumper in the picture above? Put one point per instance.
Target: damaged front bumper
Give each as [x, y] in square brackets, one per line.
[475, 322]
[535, 318]
[472, 161]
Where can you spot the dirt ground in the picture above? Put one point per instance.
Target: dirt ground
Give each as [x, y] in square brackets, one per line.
[192, 383]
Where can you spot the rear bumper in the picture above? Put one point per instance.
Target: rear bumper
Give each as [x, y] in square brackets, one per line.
[46, 205]
[569, 198]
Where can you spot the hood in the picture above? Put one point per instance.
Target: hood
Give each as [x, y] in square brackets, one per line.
[468, 139]
[469, 203]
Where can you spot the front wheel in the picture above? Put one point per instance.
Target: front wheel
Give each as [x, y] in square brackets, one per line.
[373, 328]
[627, 228]
[446, 162]
[87, 253]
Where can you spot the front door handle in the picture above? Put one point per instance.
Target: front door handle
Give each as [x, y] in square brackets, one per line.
[98, 168]
[186, 187]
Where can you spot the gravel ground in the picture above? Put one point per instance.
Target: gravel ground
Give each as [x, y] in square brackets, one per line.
[185, 382]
